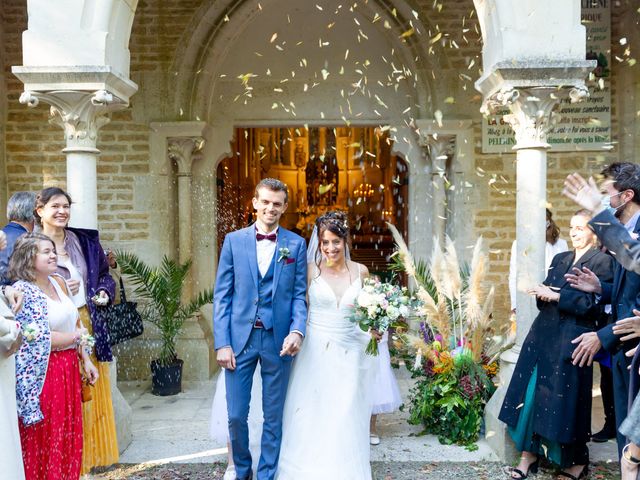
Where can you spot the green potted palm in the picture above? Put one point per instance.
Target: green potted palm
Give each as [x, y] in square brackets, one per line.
[161, 288]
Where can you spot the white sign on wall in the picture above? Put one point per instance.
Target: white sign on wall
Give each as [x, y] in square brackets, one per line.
[581, 126]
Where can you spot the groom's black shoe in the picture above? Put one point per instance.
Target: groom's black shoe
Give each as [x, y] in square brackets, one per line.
[608, 432]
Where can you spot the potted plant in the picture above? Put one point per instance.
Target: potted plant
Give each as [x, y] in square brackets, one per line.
[161, 287]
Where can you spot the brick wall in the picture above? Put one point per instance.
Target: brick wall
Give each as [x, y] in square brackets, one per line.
[33, 157]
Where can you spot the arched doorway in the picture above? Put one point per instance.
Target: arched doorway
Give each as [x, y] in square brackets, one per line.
[352, 169]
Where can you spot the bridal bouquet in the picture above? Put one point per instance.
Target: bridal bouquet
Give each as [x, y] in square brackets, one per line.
[380, 306]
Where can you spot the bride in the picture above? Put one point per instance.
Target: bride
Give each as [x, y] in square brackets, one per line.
[328, 404]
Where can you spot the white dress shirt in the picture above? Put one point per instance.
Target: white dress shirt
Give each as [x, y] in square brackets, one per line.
[265, 249]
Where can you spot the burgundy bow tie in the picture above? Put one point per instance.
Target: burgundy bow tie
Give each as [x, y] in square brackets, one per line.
[270, 236]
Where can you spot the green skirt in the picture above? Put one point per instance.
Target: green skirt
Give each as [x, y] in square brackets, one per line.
[526, 439]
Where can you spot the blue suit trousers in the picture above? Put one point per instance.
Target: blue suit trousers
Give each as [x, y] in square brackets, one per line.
[275, 370]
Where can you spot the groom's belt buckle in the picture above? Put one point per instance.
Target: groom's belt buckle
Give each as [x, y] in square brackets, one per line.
[258, 323]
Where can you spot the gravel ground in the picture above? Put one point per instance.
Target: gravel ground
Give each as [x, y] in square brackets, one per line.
[381, 471]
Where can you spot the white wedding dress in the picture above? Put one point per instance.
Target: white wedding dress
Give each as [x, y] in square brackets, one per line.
[328, 403]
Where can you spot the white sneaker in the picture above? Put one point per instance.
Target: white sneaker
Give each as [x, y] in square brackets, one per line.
[230, 473]
[374, 439]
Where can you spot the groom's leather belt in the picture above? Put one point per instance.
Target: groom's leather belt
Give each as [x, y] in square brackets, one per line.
[258, 323]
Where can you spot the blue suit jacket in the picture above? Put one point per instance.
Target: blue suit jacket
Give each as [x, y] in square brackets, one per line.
[624, 296]
[235, 299]
[13, 232]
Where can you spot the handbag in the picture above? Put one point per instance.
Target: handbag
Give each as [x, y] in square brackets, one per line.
[123, 319]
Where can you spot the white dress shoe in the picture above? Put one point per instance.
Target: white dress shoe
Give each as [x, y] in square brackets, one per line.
[374, 439]
[230, 473]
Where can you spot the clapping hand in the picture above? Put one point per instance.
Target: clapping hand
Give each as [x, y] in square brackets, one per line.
[629, 327]
[74, 286]
[584, 280]
[544, 293]
[586, 194]
[588, 345]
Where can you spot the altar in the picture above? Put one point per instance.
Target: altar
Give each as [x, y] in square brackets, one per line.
[326, 168]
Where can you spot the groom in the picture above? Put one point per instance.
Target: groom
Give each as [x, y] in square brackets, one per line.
[260, 311]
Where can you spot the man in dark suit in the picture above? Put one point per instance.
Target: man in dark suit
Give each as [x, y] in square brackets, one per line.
[20, 209]
[621, 188]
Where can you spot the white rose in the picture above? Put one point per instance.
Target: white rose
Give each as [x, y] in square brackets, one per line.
[365, 299]
[393, 312]
[404, 310]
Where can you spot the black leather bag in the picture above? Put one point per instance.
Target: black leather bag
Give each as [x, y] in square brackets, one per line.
[123, 320]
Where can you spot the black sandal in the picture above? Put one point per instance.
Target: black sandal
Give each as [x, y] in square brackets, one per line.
[583, 474]
[533, 468]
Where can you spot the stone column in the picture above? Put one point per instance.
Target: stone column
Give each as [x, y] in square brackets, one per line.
[531, 117]
[183, 151]
[80, 114]
[439, 149]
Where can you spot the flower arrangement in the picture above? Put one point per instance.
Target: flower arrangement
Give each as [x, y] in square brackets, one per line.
[380, 306]
[453, 356]
[31, 332]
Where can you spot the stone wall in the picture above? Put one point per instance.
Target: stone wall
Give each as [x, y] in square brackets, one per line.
[33, 159]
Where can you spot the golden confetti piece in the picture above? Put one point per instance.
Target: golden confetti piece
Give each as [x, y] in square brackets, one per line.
[274, 105]
[278, 90]
[331, 25]
[305, 87]
[471, 64]
[325, 73]
[408, 33]
[318, 7]
[449, 100]
[387, 25]
[436, 38]
[322, 189]
[376, 17]
[226, 18]
[273, 38]
[601, 83]
[438, 116]
[278, 47]
[394, 12]
[415, 14]
[623, 41]
[631, 62]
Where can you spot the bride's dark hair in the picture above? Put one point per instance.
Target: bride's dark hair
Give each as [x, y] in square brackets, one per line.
[336, 222]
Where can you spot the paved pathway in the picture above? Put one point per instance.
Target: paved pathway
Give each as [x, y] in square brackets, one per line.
[171, 437]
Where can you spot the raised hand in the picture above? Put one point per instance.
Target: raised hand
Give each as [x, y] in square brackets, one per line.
[586, 194]
[584, 280]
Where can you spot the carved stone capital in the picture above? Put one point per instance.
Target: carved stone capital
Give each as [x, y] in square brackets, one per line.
[439, 149]
[183, 151]
[80, 114]
[532, 111]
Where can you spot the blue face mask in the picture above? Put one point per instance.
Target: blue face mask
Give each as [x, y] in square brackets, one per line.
[606, 203]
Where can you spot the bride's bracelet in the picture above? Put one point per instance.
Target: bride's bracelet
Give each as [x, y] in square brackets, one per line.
[628, 457]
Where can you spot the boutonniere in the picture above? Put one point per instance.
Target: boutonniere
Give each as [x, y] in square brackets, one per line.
[284, 253]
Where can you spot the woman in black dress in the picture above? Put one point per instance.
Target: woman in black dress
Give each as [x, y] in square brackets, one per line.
[548, 403]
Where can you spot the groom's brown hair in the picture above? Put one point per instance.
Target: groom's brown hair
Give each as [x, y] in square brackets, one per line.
[273, 184]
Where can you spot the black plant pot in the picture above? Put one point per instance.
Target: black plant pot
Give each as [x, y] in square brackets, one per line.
[166, 380]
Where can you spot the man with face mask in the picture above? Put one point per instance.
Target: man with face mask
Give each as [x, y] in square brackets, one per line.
[621, 190]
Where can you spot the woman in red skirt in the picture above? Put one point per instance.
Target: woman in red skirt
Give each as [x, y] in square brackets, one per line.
[48, 380]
